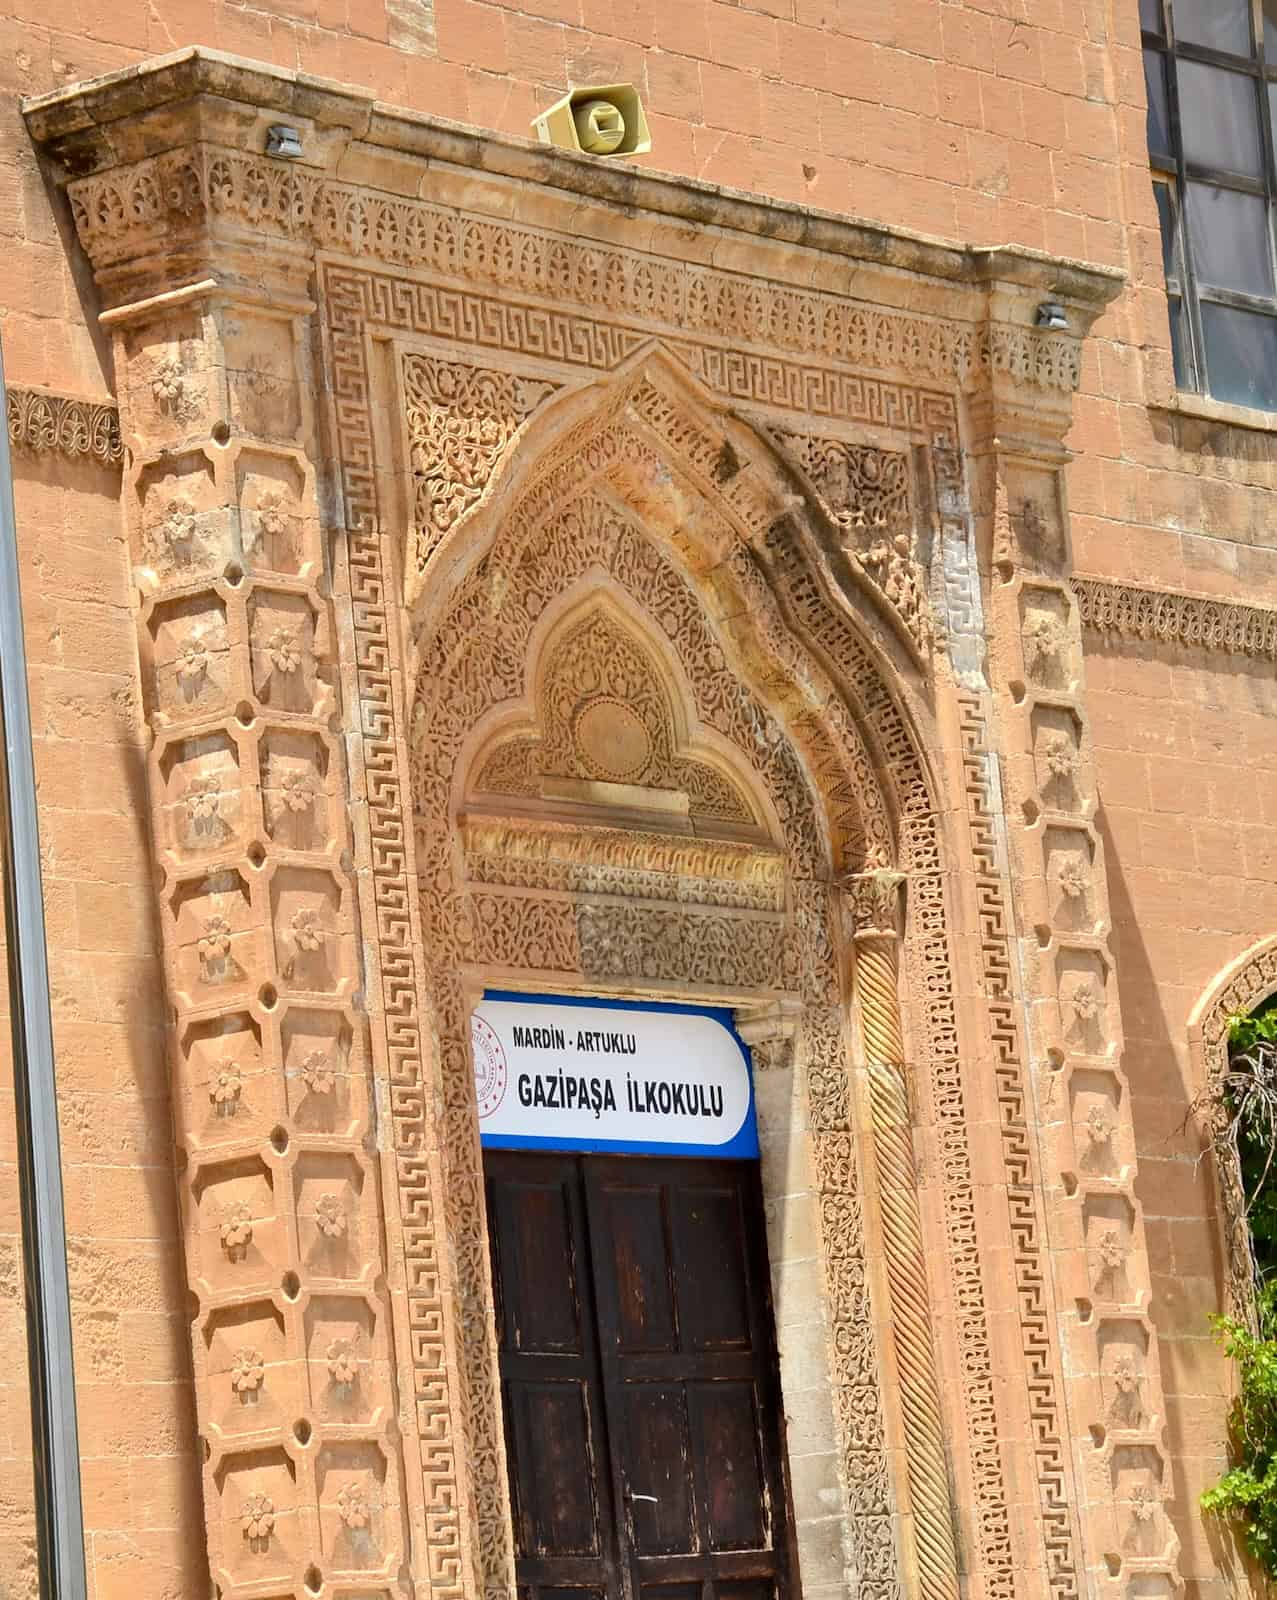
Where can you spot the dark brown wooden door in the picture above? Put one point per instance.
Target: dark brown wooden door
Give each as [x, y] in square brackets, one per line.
[638, 1366]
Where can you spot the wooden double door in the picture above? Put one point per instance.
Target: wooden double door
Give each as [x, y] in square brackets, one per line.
[644, 1430]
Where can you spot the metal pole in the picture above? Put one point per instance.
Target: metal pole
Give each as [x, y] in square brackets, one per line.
[55, 1446]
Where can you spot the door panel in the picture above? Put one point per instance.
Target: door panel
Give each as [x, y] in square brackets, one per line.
[687, 1354]
[641, 1399]
[556, 1443]
[629, 1229]
[709, 1249]
[656, 1473]
[726, 1433]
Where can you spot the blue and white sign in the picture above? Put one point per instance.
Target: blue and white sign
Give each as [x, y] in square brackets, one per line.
[557, 1073]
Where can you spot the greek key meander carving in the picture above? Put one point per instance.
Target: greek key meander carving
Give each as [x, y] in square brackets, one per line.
[1033, 1286]
[1167, 617]
[57, 424]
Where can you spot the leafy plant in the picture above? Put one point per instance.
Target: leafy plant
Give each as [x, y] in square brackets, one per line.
[1247, 1097]
[1245, 1105]
[1247, 1493]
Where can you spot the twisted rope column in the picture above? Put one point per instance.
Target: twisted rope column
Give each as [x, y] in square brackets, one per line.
[875, 901]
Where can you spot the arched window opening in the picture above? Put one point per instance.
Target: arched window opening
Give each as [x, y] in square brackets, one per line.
[1243, 1110]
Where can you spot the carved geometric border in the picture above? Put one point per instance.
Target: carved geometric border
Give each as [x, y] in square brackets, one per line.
[115, 211]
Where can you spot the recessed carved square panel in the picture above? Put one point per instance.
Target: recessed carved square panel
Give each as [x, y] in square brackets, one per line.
[1123, 1352]
[1137, 1500]
[1050, 655]
[262, 1539]
[217, 937]
[278, 532]
[285, 671]
[1083, 979]
[1109, 1224]
[357, 1506]
[295, 797]
[202, 800]
[241, 1243]
[1100, 1130]
[1057, 755]
[334, 1234]
[325, 1086]
[252, 1383]
[168, 378]
[348, 1376]
[261, 373]
[190, 672]
[186, 531]
[308, 917]
[230, 1092]
[1069, 859]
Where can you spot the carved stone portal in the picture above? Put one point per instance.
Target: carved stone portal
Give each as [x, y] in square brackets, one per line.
[641, 649]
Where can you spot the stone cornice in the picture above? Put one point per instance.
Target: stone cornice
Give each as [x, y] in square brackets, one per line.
[54, 424]
[80, 128]
[1205, 622]
[177, 144]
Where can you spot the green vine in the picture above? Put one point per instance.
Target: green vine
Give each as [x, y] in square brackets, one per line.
[1247, 1104]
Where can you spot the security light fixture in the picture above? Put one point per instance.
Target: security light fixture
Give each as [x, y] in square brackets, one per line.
[1051, 315]
[283, 141]
[597, 119]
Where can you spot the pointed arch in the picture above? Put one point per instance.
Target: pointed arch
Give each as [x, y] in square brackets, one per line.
[704, 531]
[632, 722]
[1244, 984]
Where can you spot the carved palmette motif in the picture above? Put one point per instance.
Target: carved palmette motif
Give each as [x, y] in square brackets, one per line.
[57, 424]
[1127, 610]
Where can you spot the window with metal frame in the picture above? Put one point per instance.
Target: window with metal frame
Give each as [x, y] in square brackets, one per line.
[1211, 71]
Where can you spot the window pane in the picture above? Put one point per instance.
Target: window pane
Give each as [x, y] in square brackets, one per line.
[1166, 221]
[1228, 236]
[1221, 24]
[1179, 352]
[1159, 121]
[1241, 356]
[1272, 108]
[1151, 16]
[1270, 32]
[1218, 116]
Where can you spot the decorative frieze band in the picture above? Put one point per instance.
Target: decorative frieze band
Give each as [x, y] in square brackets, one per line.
[119, 212]
[1167, 617]
[57, 424]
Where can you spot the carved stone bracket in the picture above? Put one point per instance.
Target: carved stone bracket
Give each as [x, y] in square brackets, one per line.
[770, 1031]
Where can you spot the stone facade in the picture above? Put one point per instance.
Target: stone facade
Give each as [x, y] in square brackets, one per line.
[458, 504]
